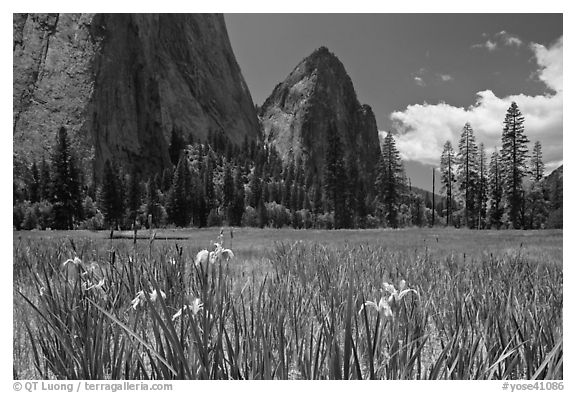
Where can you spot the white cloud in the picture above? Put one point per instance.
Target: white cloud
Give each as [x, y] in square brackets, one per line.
[445, 77]
[419, 81]
[489, 44]
[423, 128]
[550, 63]
[502, 38]
[509, 39]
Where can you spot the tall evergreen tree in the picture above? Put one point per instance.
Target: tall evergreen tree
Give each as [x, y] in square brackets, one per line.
[64, 189]
[514, 163]
[34, 187]
[45, 180]
[448, 177]
[537, 163]
[481, 188]
[134, 196]
[495, 185]
[467, 172]
[180, 195]
[335, 181]
[110, 195]
[177, 144]
[238, 204]
[390, 180]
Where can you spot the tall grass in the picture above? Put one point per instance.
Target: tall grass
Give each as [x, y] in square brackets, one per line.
[302, 316]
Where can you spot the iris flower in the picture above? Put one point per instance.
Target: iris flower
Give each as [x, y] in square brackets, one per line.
[382, 307]
[194, 308]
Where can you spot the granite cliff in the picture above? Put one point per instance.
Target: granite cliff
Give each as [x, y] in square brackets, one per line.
[120, 83]
[297, 115]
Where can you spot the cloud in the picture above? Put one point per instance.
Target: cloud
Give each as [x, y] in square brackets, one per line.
[490, 45]
[508, 39]
[549, 61]
[500, 39]
[423, 128]
[445, 77]
[424, 77]
[419, 81]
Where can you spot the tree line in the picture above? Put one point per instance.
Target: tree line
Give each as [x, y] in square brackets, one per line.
[507, 191]
[216, 182]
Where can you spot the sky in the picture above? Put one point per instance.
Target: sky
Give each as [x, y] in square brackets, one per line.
[424, 75]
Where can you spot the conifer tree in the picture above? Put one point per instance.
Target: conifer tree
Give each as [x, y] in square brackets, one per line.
[177, 144]
[179, 200]
[238, 204]
[537, 164]
[335, 178]
[448, 177]
[45, 180]
[481, 188]
[64, 190]
[467, 172]
[390, 180]
[134, 196]
[495, 185]
[34, 187]
[110, 196]
[514, 163]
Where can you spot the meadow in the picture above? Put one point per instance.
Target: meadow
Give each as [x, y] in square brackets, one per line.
[289, 304]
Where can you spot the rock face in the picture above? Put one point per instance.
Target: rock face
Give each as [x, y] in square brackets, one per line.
[121, 82]
[297, 116]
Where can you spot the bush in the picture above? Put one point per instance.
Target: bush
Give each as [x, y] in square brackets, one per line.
[278, 215]
[94, 223]
[214, 219]
[555, 219]
[325, 221]
[249, 218]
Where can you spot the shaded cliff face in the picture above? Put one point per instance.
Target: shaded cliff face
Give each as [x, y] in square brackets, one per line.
[121, 82]
[296, 117]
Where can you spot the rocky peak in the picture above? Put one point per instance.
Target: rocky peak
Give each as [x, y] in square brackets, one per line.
[296, 116]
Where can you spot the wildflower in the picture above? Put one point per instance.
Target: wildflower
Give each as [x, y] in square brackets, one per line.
[194, 308]
[42, 290]
[76, 261]
[140, 298]
[154, 295]
[220, 252]
[172, 261]
[94, 286]
[202, 258]
[395, 295]
[383, 307]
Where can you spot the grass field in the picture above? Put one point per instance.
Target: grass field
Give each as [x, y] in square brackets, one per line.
[290, 304]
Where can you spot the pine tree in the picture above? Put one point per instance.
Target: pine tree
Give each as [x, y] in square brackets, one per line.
[448, 177]
[481, 189]
[177, 144]
[537, 164]
[335, 178]
[153, 206]
[495, 185]
[238, 204]
[134, 196]
[110, 196]
[64, 185]
[390, 180]
[514, 156]
[179, 200]
[45, 181]
[227, 186]
[34, 187]
[467, 172]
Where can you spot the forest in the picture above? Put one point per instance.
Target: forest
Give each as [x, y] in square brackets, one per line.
[215, 182]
